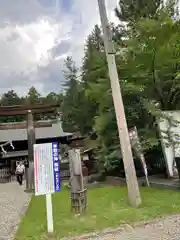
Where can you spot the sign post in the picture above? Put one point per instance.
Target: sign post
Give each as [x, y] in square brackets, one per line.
[47, 175]
[136, 145]
[49, 212]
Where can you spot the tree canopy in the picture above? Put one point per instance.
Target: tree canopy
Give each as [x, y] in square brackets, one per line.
[134, 10]
[33, 97]
[148, 67]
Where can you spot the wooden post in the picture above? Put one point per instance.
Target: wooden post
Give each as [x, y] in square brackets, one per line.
[75, 171]
[31, 141]
[130, 172]
[78, 193]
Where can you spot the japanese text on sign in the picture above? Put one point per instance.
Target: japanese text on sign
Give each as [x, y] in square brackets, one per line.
[46, 168]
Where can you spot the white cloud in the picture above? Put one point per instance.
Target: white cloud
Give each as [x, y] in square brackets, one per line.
[26, 58]
[86, 15]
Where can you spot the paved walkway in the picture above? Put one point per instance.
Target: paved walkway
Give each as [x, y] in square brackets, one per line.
[167, 228]
[13, 204]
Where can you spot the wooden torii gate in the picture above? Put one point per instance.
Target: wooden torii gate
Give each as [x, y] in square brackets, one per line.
[29, 111]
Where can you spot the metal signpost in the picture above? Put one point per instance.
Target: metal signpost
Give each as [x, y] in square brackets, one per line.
[47, 175]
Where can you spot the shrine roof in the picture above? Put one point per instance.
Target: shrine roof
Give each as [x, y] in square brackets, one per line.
[53, 129]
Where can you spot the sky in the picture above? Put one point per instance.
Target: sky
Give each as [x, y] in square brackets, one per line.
[37, 35]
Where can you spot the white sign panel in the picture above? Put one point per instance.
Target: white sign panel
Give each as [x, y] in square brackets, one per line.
[175, 130]
[46, 168]
[170, 150]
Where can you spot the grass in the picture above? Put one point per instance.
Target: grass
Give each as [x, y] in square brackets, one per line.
[107, 207]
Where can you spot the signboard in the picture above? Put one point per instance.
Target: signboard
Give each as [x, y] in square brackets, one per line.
[136, 145]
[169, 128]
[46, 168]
[175, 133]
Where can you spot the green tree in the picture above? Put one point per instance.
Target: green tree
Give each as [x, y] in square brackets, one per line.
[148, 66]
[80, 107]
[53, 98]
[134, 10]
[11, 98]
[150, 72]
[153, 61]
[94, 72]
[70, 101]
[98, 93]
[33, 96]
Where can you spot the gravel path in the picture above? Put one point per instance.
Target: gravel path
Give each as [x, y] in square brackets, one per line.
[13, 204]
[167, 228]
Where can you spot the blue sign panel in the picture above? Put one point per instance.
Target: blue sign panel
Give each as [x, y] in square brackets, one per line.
[56, 167]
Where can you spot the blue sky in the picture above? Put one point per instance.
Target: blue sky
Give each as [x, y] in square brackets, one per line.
[36, 36]
[66, 5]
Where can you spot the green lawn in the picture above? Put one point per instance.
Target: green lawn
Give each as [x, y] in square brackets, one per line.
[107, 207]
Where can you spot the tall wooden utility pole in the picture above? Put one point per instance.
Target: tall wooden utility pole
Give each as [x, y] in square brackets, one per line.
[131, 178]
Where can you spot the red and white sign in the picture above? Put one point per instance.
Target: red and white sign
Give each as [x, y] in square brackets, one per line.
[44, 169]
[36, 169]
[136, 145]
